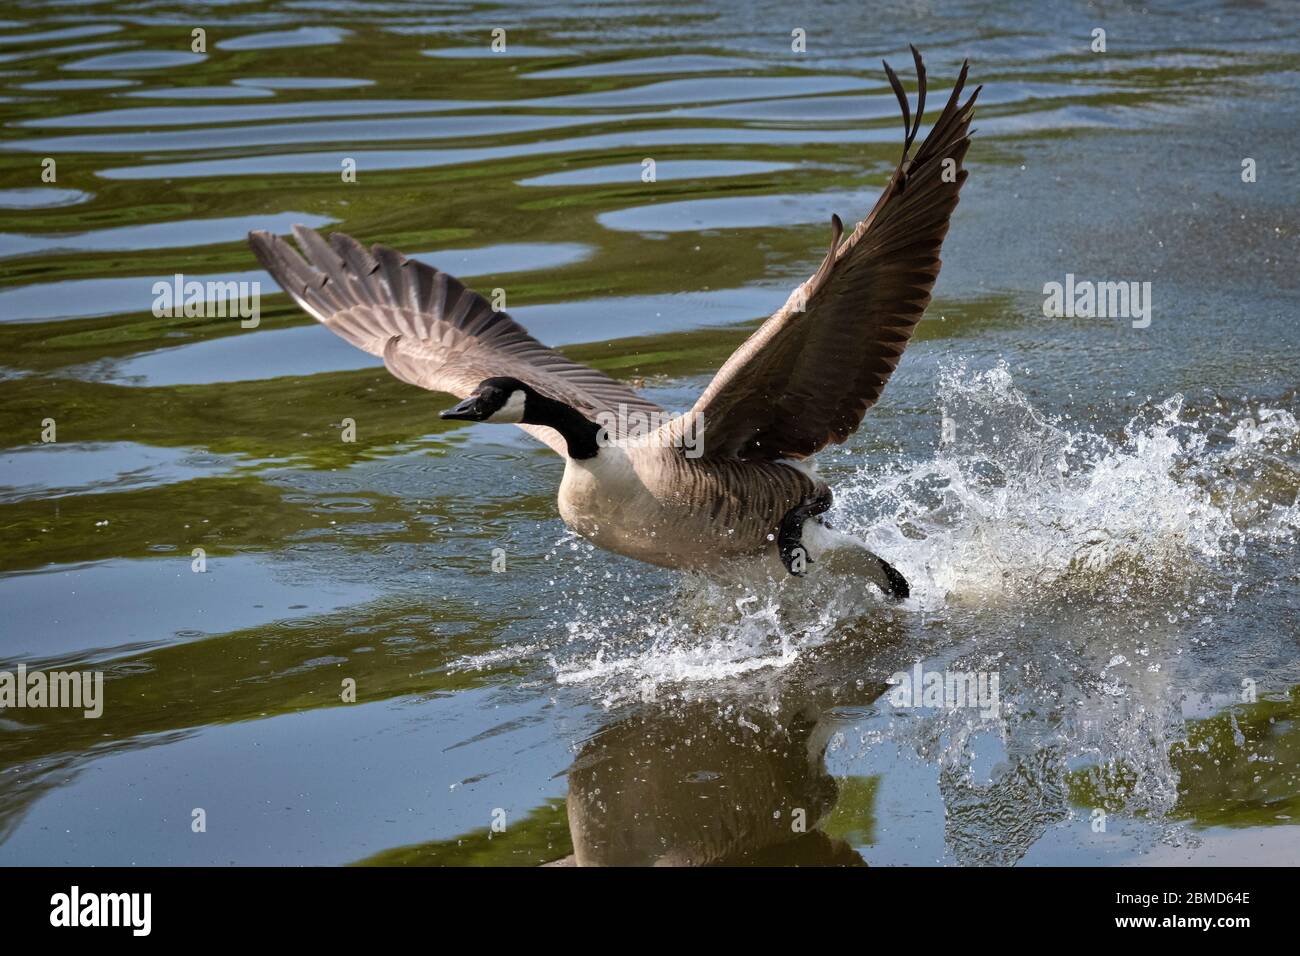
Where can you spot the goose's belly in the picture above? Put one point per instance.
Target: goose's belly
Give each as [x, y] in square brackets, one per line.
[675, 512]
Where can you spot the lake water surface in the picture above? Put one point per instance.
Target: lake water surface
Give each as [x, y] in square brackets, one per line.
[1103, 517]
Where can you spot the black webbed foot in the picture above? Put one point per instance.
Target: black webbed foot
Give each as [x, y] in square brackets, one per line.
[790, 535]
[898, 586]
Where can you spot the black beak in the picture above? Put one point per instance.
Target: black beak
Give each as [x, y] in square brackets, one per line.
[467, 411]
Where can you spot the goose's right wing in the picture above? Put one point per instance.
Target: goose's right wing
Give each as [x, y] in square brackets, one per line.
[810, 372]
[431, 330]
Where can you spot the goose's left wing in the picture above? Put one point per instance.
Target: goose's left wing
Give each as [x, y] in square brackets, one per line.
[810, 372]
[430, 329]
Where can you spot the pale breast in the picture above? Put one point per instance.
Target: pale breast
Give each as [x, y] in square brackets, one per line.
[658, 506]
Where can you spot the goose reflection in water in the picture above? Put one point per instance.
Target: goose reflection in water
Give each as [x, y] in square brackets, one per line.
[718, 782]
[689, 786]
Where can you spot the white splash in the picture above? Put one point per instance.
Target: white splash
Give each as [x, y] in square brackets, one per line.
[1017, 503]
[1013, 508]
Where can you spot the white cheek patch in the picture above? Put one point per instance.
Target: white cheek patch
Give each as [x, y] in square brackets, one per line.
[512, 412]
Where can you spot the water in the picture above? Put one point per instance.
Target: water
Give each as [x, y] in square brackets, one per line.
[1102, 516]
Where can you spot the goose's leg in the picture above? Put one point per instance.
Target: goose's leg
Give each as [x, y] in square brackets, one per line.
[789, 538]
[843, 551]
[898, 588]
[848, 555]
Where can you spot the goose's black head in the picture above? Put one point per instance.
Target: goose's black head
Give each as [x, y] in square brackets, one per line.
[510, 400]
[495, 400]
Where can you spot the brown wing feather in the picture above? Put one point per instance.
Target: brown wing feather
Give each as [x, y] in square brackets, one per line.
[806, 377]
[430, 329]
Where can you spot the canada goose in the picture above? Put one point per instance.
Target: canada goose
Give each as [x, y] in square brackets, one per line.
[803, 379]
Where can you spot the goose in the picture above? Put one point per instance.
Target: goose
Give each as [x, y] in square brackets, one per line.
[727, 485]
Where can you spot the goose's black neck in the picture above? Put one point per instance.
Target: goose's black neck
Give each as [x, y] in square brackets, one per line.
[580, 433]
